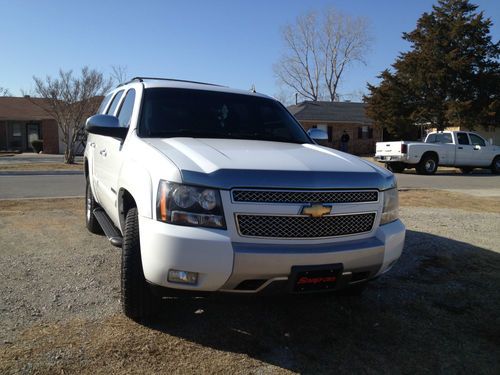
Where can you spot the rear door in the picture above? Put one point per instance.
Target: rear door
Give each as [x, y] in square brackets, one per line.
[464, 155]
[446, 149]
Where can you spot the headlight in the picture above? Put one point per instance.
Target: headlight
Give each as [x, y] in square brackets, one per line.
[390, 212]
[189, 205]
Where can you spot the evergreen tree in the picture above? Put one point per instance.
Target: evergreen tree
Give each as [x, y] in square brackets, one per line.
[449, 77]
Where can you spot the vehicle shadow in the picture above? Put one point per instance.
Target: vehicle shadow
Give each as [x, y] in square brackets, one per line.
[436, 311]
[457, 173]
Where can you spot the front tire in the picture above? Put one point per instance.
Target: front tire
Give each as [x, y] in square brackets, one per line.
[90, 205]
[138, 302]
[495, 166]
[428, 165]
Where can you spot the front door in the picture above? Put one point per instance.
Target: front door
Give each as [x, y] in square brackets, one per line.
[32, 134]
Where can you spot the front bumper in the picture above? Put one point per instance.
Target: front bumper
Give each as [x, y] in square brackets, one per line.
[223, 265]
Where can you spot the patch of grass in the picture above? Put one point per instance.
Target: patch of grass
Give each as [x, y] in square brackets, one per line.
[447, 199]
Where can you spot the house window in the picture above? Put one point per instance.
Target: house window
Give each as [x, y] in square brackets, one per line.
[365, 132]
[16, 130]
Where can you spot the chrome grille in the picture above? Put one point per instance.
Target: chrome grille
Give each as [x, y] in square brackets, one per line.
[270, 196]
[272, 226]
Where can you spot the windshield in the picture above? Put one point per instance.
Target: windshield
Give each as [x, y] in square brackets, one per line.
[168, 112]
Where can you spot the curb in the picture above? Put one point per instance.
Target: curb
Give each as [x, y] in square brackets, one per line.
[42, 198]
[39, 173]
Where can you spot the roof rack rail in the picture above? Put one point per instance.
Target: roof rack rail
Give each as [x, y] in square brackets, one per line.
[142, 79]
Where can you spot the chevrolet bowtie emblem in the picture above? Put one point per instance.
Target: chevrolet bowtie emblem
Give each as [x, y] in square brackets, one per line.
[317, 210]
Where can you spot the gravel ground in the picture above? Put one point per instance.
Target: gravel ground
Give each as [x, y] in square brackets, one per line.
[51, 268]
[435, 312]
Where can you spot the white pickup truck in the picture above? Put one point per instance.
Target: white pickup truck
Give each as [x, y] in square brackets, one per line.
[210, 189]
[464, 150]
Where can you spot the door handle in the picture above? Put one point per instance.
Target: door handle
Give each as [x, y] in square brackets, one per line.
[460, 148]
[103, 152]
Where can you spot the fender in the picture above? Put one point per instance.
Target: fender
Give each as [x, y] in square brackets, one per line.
[135, 179]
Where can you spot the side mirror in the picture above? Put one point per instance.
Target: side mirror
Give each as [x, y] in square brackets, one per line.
[477, 147]
[317, 134]
[105, 125]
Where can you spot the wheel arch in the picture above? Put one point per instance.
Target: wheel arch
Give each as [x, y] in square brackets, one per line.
[126, 201]
[430, 153]
[135, 189]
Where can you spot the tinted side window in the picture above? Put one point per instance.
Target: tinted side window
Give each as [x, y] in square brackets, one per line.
[476, 140]
[126, 109]
[104, 104]
[431, 138]
[462, 139]
[114, 103]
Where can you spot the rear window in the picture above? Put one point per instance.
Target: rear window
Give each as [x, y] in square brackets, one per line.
[439, 138]
[431, 138]
[168, 112]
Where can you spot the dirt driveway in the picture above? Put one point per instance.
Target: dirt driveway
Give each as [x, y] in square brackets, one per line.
[435, 312]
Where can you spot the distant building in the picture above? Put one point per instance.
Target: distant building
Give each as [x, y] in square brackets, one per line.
[22, 121]
[334, 118]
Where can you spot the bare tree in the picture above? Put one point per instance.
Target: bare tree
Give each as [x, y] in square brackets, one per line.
[4, 91]
[318, 50]
[70, 100]
[119, 74]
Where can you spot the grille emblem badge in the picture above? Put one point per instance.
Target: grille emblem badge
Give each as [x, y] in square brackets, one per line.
[317, 210]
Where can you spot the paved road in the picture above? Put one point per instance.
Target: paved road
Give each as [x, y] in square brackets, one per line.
[35, 186]
[34, 158]
[480, 184]
[64, 185]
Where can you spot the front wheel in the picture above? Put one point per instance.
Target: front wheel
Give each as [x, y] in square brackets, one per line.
[495, 166]
[138, 302]
[428, 165]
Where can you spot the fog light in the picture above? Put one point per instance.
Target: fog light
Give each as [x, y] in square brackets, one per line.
[184, 277]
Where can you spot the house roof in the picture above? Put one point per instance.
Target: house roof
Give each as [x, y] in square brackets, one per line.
[330, 112]
[22, 109]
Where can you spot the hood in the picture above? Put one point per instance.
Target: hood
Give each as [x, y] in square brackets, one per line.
[228, 163]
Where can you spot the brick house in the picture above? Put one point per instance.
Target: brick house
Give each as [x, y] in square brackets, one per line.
[334, 118]
[22, 121]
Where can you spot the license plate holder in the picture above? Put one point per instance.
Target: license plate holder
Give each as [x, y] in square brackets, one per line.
[306, 279]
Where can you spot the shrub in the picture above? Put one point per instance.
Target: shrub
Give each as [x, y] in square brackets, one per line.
[37, 145]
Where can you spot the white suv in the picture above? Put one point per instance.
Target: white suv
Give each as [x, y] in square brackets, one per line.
[207, 188]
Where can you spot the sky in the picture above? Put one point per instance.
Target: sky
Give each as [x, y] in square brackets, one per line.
[229, 42]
